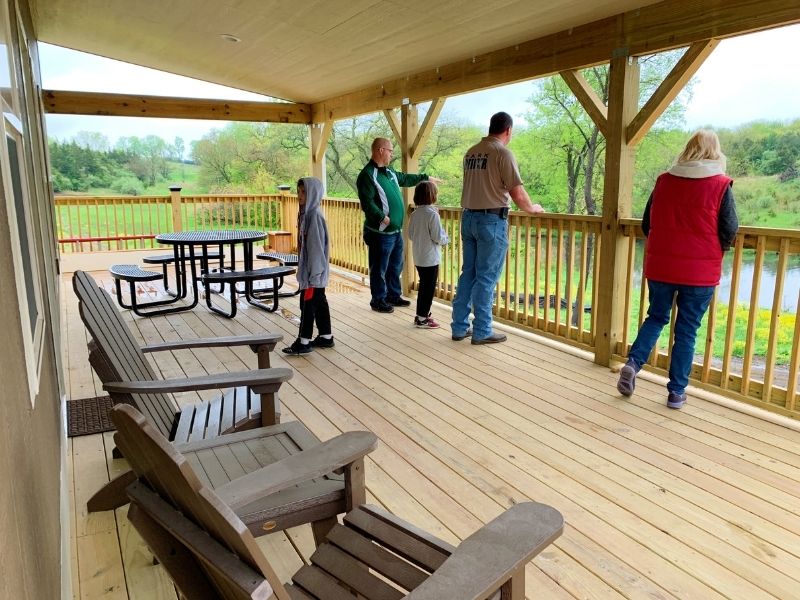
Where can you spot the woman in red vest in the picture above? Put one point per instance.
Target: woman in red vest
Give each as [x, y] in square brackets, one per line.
[690, 220]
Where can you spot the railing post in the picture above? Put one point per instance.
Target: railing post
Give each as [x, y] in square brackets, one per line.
[283, 190]
[175, 198]
[617, 192]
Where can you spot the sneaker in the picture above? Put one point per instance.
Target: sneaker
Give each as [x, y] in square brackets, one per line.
[494, 338]
[382, 307]
[676, 400]
[426, 323]
[627, 379]
[321, 342]
[298, 348]
[398, 302]
[458, 338]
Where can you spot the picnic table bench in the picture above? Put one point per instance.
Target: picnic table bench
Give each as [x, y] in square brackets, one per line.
[133, 274]
[274, 274]
[284, 260]
[167, 259]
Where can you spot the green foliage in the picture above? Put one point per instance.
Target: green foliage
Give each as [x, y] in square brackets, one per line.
[128, 186]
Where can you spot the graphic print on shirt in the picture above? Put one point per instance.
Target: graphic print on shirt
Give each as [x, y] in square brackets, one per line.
[476, 162]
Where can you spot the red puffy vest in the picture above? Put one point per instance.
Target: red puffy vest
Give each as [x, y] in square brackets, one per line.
[683, 245]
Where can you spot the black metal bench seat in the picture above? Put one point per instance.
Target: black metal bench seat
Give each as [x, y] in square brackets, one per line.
[133, 275]
[167, 259]
[273, 274]
[284, 260]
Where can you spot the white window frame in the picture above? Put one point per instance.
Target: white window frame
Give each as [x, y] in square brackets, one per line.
[11, 127]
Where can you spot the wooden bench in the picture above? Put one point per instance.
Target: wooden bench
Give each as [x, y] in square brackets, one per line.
[274, 274]
[167, 259]
[133, 275]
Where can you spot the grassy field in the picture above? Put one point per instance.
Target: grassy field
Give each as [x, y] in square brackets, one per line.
[180, 174]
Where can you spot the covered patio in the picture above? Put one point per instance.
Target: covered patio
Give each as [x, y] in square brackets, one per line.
[698, 503]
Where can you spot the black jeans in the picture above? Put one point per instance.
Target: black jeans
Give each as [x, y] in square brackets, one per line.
[314, 309]
[427, 286]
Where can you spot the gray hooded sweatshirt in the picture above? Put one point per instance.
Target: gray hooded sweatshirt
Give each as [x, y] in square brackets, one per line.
[312, 237]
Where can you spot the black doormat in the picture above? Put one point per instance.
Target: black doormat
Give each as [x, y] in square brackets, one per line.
[89, 415]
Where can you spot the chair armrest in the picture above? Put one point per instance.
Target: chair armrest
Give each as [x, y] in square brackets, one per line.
[266, 339]
[309, 464]
[261, 380]
[489, 557]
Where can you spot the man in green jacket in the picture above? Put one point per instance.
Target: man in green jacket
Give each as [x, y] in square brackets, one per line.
[384, 211]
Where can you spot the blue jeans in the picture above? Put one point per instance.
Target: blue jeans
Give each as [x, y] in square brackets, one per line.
[484, 238]
[385, 265]
[692, 305]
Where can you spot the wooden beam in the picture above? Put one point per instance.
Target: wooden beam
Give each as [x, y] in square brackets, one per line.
[623, 102]
[588, 98]
[646, 30]
[320, 133]
[418, 146]
[394, 124]
[126, 105]
[409, 129]
[669, 89]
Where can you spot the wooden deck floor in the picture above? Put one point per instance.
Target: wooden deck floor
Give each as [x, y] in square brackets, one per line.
[702, 503]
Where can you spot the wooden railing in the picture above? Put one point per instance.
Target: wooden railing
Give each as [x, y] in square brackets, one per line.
[548, 280]
[92, 224]
[750, 352]
[345, 225]
[95, 224]
[550, 283]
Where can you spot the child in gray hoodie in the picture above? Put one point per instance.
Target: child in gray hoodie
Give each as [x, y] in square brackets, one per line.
[313, 250]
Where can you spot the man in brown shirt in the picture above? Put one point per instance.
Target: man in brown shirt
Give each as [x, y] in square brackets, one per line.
[491, 180]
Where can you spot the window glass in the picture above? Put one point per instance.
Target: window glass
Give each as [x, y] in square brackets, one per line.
[23, 218]
[6, 72]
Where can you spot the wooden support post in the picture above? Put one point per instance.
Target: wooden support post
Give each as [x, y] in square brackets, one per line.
[409, 127]
[175, 198]
[319, 134]
[617, 191]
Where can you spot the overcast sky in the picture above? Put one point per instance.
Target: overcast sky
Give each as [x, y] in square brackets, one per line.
[745, 79]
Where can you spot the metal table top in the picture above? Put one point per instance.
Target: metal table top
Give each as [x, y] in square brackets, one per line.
[226, 236]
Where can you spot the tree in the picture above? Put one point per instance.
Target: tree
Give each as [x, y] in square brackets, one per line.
[576, 143]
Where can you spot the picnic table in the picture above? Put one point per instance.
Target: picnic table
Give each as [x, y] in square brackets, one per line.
[188, 246]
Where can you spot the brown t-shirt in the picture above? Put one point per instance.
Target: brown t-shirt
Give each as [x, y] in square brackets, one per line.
[490, 171]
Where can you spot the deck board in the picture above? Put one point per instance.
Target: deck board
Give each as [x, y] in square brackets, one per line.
[697, 503]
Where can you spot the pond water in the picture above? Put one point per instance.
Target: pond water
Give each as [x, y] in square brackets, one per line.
[766, 292]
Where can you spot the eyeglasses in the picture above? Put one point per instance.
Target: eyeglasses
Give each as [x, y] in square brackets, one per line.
[389, 150]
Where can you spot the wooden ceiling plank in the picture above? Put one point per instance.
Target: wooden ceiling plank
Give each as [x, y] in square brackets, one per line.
[588, 98]
[418, 146]
[669, 89]
[653, 28]
[126, 105]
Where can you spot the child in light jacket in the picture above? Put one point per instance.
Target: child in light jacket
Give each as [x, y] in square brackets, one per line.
[427, 236]
[313, 250]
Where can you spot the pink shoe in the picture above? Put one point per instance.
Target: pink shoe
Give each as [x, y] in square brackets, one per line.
[426, 323]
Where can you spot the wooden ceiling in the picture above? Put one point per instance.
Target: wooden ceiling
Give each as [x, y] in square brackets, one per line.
[306, 51]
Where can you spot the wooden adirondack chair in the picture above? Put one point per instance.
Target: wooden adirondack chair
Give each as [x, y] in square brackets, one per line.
[121, 365]
[196, 430]
[197, 535]
[297, 484]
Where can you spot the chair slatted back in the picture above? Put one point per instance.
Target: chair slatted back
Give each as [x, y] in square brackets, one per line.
[122, 355]
[167, 472]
